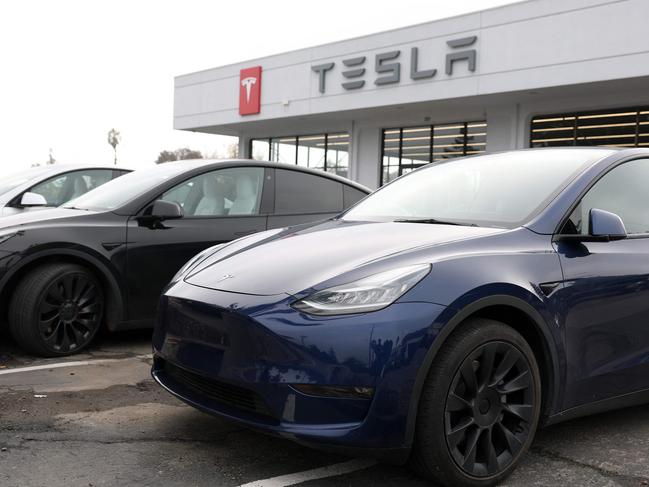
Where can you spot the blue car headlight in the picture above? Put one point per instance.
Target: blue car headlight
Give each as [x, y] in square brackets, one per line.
[370, 293]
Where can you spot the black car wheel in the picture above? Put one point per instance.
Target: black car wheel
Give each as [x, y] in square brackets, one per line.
[479, 408]
[56, 310]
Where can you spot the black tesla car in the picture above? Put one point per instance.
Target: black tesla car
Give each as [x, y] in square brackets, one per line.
[104, 257]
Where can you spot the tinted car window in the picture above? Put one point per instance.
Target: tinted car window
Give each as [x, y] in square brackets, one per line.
[60, 189]
[623, 191]
[297, 192]
[232, 191]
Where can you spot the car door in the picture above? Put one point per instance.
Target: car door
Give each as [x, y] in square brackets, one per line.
[218, 206]
[606, 291]
[302, 197]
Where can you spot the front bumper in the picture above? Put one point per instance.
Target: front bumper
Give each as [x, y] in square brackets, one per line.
[237, 356]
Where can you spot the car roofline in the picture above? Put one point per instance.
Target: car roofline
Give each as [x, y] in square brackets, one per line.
[199, 163]
[196, 167]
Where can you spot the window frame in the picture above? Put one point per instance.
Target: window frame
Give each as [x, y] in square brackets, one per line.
[564, 220]
[266, 200]
[296, 139]
[431, 146]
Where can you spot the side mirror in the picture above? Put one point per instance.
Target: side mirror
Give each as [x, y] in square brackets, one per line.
[606, 225]
[166, 210]
[32, 199]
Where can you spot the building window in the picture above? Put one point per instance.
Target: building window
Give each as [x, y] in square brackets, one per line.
[260, 149]
[327, 152]
[624, 127]
[311, 151]
[406, 149]
[283, 150]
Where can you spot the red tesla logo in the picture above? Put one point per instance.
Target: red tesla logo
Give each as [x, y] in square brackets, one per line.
[249, 90]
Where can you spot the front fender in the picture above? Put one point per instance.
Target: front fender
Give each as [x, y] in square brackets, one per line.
[470, 304]
[15, 262]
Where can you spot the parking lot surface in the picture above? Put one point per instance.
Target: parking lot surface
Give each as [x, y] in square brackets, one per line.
[98, 419]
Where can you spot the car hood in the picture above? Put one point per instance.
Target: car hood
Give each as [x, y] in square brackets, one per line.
[44, 216]
[295, 259]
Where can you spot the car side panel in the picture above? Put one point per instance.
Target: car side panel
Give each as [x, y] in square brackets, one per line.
[606, 298]
[156, 253]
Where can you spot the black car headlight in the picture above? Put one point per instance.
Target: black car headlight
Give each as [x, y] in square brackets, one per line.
[370, 293]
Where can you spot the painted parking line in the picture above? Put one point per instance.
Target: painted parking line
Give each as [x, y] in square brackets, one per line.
[314, 474]
[78, 363]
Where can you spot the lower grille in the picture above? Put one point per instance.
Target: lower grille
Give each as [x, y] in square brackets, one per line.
[227, 394]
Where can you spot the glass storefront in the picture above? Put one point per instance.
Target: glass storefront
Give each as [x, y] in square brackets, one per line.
[624, 127]
[327, 152]
[406, 149]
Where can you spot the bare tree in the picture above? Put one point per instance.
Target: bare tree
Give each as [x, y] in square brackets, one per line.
[50, 160]
[233, 150]
[166, 156]
[114, 138]
[185, 153]
[178, 155]
[229, 151]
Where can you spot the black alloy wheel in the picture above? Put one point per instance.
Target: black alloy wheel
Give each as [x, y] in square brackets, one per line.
[489, 409]
[479, 407]
[56, 310]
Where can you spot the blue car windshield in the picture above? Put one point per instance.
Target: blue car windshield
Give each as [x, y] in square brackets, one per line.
[499, 190]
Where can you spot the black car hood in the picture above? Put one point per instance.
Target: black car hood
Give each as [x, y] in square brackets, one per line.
[293, 260]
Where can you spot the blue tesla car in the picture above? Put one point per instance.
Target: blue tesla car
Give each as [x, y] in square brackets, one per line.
[438, 322]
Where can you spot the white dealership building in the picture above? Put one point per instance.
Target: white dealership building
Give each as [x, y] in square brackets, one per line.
[530, 74]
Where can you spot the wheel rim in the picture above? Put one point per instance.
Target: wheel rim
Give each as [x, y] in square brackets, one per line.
[489, 409]
[70, 313]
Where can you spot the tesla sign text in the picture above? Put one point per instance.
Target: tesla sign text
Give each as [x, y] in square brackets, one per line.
[387, 65]
[249, 90]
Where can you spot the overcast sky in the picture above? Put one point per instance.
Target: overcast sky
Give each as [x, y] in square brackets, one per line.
[72, 70]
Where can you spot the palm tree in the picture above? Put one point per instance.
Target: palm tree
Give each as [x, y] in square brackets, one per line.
[114, 138]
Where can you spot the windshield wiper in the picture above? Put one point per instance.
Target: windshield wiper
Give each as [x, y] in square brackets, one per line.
[433, 221]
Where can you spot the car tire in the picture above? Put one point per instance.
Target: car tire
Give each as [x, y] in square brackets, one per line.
[56, 310]
[479, 407]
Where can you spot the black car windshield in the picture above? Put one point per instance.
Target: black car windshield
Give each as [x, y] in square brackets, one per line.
[500, 190]
[15, 180]
[124, 189]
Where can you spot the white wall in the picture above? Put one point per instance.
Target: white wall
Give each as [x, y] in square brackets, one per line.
[524, 46]
[534, 57]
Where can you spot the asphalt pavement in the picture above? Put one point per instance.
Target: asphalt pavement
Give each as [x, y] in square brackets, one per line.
[98, 419]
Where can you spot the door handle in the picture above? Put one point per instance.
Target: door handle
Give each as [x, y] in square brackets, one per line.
[245, 232]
